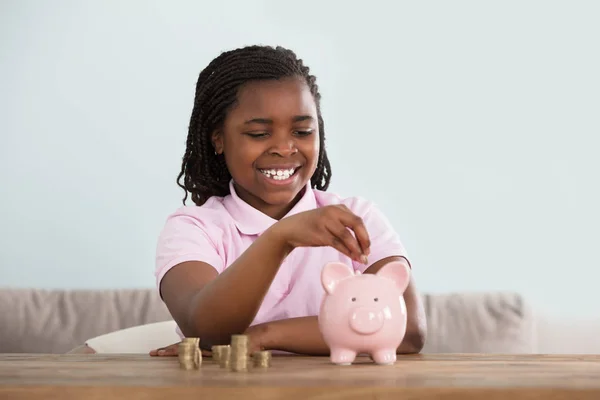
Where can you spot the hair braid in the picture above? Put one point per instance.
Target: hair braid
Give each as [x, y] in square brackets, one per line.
[203, 171]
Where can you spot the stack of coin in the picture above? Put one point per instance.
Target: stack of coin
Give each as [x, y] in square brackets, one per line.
[224, 356]
[262, 359]
[189, 353]
[238, 359]
[217, 352]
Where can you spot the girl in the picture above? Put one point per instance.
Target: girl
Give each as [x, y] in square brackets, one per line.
[247, 257]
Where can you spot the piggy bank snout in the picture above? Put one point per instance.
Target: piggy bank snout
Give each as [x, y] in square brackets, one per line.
[366, 320]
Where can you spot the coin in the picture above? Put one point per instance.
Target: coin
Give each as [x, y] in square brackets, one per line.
[261, 359]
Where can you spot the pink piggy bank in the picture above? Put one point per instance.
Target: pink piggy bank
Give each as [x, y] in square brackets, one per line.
[363, 313]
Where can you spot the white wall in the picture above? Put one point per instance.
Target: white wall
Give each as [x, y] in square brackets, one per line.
[475, 126]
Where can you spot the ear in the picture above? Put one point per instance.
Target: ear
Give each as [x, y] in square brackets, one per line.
[217, 141]
[396, 271]
[333, 273]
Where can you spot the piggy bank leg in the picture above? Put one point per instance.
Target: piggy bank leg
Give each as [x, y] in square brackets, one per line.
[342, 356]
[384, 356]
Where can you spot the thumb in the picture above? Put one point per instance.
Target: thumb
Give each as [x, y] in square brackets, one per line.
[171, 350]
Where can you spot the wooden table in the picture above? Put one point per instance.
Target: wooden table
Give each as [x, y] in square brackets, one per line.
[467, 376]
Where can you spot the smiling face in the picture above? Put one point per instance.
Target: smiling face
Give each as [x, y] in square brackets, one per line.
[270, 140]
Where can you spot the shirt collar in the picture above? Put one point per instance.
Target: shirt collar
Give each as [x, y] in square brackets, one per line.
[251, 221]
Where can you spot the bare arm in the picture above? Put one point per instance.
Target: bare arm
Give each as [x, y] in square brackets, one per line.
[302, 335]
[212, 306]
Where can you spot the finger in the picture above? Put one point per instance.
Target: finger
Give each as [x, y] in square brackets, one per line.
[345, 236]
[167, 353]
[158, 351]
[356, 223]
[335, 242]
[170, 350]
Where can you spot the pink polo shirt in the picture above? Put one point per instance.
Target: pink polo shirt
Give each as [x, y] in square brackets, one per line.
[220, 230]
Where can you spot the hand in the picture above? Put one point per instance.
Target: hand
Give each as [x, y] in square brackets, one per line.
[327, 226]
[256, 335]
[172, 350]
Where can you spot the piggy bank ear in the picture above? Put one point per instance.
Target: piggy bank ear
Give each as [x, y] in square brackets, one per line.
[333, 273]
[396, 271]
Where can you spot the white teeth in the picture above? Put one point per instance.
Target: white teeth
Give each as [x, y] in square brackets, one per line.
[279, 174]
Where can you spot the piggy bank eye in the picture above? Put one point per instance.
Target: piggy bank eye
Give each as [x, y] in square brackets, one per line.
[376, 299]
[354, 299]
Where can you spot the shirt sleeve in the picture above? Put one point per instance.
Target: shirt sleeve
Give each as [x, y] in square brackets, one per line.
[186, 238]
[385, 241]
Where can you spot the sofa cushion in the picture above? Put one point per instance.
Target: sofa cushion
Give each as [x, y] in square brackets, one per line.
[489, 322]
[465, 323]
[139, 339]
[56, 321]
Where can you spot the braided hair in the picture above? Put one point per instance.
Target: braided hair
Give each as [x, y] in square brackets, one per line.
[205, 172]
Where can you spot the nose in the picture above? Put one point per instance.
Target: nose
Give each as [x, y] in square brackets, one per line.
[366, 320]
[284, 147]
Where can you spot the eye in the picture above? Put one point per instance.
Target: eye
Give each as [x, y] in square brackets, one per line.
[376, 299]
[257, 135]
[303, 133]
[354, 299]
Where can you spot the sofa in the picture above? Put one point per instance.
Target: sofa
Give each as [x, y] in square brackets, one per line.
[136, 320]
